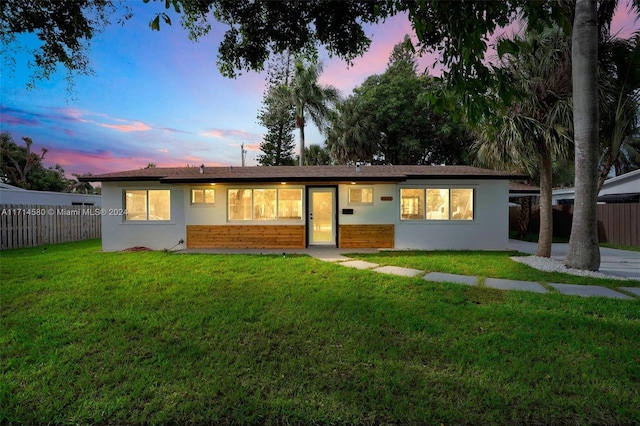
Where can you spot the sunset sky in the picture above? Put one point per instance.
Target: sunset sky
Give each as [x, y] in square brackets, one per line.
[157, 97]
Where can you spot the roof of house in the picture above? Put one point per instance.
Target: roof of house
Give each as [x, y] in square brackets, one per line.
[517, 188]
[617, 187]
[300, 174]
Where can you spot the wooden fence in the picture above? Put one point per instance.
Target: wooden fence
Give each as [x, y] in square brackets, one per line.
[36, 225]
[618, 223]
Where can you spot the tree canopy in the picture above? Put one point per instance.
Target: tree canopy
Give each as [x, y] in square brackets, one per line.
[389, 119]
[278, 117]
[21, 167]
[64, 27]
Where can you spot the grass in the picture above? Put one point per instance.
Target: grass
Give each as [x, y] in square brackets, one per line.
[156, 338]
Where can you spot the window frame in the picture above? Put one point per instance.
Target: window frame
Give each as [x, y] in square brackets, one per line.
[204, 197]
[425, 216]
[147, 205]
[360, 188]
[276, 203]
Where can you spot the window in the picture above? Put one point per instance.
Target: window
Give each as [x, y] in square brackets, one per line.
[265, 204]
[462, 204]
[240, 204]
[412, 204]
[437, 204]
[290, 204]
[441, 204]
[362, 195]
[203, 196]
[151, 204]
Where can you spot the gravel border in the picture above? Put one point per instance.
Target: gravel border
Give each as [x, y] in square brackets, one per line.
[551, 265]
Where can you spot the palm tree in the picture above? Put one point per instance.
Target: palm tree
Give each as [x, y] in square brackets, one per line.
[353, 134]
[315, 155]
[74, 185]
[534, 131]
[620, 101]
[310, 99]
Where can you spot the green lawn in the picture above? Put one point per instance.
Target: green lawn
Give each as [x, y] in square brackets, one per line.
[157, 338]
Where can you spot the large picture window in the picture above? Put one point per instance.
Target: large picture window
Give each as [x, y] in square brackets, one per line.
[148, 204]
[265, 204]
[438, 203]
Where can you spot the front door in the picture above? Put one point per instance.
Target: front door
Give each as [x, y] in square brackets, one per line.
[321, 217]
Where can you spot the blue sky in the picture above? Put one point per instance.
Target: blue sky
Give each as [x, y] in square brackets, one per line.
[157, 97]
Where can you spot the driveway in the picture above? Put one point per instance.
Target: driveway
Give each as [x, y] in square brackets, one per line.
[623, 263]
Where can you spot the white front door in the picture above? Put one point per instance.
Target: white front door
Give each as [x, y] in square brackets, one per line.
[321, 217]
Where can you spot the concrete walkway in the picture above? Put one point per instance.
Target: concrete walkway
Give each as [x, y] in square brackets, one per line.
[626, 293]
[614, 262]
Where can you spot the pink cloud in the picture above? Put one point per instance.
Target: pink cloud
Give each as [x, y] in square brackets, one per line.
[73, 113]
[78, 115]
[91, 162]
[227, 133]
[135, 126]
[106, 161]
[252, 147]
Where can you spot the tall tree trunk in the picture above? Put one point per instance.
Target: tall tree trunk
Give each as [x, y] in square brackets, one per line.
[545, 237]
[524, 217]
[302, 145]
[584, 251]
[300, 123]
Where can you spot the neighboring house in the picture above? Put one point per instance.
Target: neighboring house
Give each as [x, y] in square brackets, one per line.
[620, 189]
[13, 195]
[401, 207]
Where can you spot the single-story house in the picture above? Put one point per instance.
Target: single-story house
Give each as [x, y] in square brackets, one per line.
[13, 195]
[619, 189]
[398, 207]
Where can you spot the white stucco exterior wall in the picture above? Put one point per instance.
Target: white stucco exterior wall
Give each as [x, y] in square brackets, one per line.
[118, 234]
[489, 229]
[378, 213]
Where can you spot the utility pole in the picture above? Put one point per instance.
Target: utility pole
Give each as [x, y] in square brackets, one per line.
[243, 153]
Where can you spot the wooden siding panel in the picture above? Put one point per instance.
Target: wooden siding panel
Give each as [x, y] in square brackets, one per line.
[366, 236]
[246, 236]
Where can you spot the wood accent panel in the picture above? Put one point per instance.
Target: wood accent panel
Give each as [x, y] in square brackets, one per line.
[366, 236]
[246, 236]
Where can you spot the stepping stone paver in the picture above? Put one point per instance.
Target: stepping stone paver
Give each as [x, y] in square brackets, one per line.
[450, 278]
[396, 270]
[588, 291]
[332, 257]
[359, 264]
[632, 290]
[501, 284]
